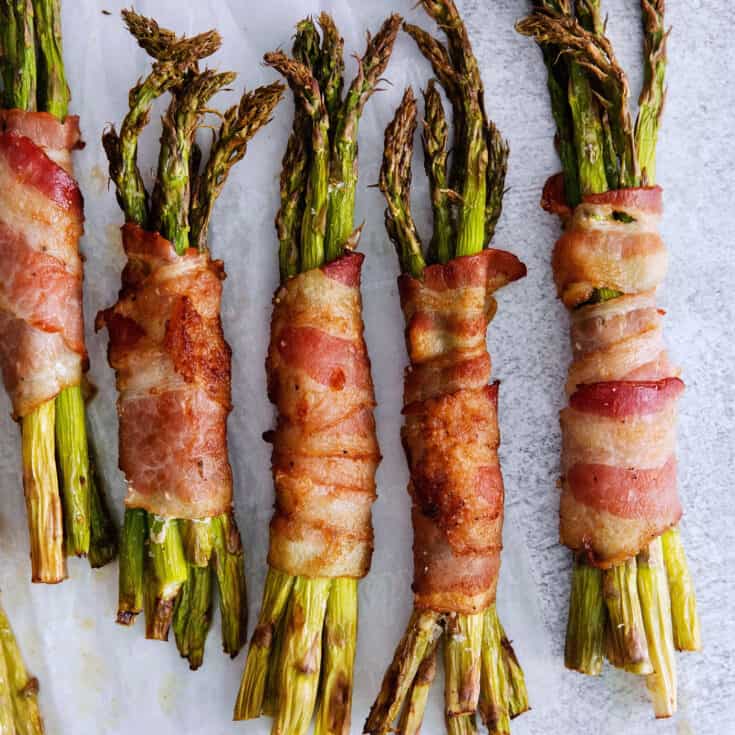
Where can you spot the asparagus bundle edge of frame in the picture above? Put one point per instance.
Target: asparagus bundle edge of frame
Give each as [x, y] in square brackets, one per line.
[42, 346]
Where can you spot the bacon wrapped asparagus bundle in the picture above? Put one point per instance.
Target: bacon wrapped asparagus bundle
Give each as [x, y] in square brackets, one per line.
[325, 451]
[632, 596]
[451, 434]
[42, 351]
[171, 359]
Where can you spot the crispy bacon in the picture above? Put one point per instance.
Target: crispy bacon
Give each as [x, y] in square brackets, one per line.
[325, 451]
[172, 366]
[619, 487]
[41, 324]
[451, 432]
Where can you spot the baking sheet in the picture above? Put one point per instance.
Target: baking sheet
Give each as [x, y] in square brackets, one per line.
[97, 677]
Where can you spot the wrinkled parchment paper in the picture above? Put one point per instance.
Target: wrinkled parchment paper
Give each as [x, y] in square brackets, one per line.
[100, 679]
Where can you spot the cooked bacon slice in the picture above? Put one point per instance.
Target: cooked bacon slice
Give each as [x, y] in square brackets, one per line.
[325, 451]
[619, 488]
[173, 377]
[611, 241]
[41, 220]
[451, 431]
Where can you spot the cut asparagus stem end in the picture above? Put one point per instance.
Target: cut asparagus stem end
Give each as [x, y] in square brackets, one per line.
[687, 636]
[19, 712]
[339, 640]
[424, 630]
[132, 555]
[413, 711]
[299, 665]
[71, 448]
[250, 698]
[626, 643]
[198, 541]
[518, 694]
[584, 647]
[654, 594]
[229, 565]
[495, 688]
[193, 615]
[169, 571]
[460, 725]
[462, 647]
[43, 504]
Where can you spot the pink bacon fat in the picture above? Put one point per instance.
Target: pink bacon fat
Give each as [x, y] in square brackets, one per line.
[451, 431]
[619, 487]
[172, 366]
[41, 220]
[325, 452]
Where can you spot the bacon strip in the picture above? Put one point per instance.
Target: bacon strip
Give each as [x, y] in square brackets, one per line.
[619, 488]
[325, 452]
[172, 367]
[41, 220]
[451, 431]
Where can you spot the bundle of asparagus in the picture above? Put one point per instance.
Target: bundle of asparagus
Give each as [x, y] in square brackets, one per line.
[451, 429]
[324, 448]
[632, 596]
[42, 350]
[171, 359]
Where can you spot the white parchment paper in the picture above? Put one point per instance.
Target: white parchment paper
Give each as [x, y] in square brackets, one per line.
[98, 678]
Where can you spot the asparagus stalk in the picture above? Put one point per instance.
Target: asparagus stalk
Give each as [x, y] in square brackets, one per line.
[684, 616]
[627, 646]
[229, 567]
[71, 446]
[424, 630]
[301, 655]
[656, 605]
[103, 539]
[43, 503]
[18, 57]
[261, 658]
[132, 557]
[587, 619]
[19, 711]
[413, 711]
[53, 91]
[339, 640]
[463, 642]
[343, 164]
[193, 615]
